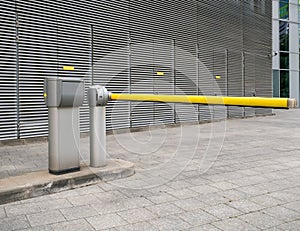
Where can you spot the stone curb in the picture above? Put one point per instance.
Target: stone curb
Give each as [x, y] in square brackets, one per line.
[41, 183]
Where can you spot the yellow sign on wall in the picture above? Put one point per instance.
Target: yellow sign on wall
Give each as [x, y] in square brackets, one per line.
[68, 68]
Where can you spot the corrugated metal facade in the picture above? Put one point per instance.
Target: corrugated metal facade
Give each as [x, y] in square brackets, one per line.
[160, 47]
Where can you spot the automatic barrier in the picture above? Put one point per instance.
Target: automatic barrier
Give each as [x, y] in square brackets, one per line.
[63, 96]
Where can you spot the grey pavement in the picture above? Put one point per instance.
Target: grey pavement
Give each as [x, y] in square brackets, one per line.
[239, 174]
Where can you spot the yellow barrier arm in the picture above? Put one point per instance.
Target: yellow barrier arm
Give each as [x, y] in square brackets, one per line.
[284, 103]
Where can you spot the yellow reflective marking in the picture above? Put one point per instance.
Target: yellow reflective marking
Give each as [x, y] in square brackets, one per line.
[68, 68]
[160, 73]
[45, 94]
[218, 77]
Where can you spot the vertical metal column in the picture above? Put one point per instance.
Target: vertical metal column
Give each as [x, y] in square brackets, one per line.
[97, 98]
[97, 136]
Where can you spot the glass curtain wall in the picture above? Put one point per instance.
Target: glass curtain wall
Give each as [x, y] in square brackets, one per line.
[284, 37]
[286, 40]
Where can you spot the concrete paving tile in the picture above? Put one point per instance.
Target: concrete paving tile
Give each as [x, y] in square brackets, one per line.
[136, 227]
[64, 194]
[197, 217]
[222, 211]
[108, 186]
[171, 222]
[206, 227]
[159, 189]
[234, 224]
[183, 193]
[83, 199]
[165, 209]
[190, 204]
[295, 206]
[284, 196]
[54, 204]
[44, 218]
[130, 193]
[266, 200]
[213, 199]
[261, 220]
[80, 224]
[132, 203]
[78, 212]
[108, 207]
[203, 189]
[180, 184]
[161, 198]
[252, 190]
[137, 215]
[282, 213]
[2, 212]
[245, 206]
[120, 205]
[233, 194]
[273, 229]
[40, 228]
[110, 196]
[95, 189]
[20, 209]
[224, 185]
[106, 221]
[290, 226]
[197, 180]
[14, 223]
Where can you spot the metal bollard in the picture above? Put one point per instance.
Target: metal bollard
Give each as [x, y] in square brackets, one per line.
[97, 97]
[63, 97]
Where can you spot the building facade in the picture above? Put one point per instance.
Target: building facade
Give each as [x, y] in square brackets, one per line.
[286, 48]
[194, 47]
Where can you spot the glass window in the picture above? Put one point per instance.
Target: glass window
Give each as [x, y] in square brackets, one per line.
[284, 60]
[284, 84]
[299, 34]
[284, 9]
[276, 83]
[284, 35]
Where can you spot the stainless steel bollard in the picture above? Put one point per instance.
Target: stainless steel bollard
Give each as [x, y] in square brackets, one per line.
[63, 96]
[97, 98]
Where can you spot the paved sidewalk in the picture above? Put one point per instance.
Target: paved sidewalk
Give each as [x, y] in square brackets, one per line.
[241, 174]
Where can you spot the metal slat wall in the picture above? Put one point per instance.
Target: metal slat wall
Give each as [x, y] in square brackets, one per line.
[111, 51]
[142, 28]
[122, 45]
[220, 42]
[8, 80]
[185, 59]
[163, 59]
[163, 80]
[220, 82]
[263, 64]
[205, 55]
[38, 60]
[249, 72]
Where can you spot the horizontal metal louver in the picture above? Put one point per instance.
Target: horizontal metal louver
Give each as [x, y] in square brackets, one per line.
[157, 47]
[38, 60]
[111, 57]
[250, 85]
[8, 80]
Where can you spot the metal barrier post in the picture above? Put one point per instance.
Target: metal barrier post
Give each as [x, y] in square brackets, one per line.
[63, 96]
[97, 98]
